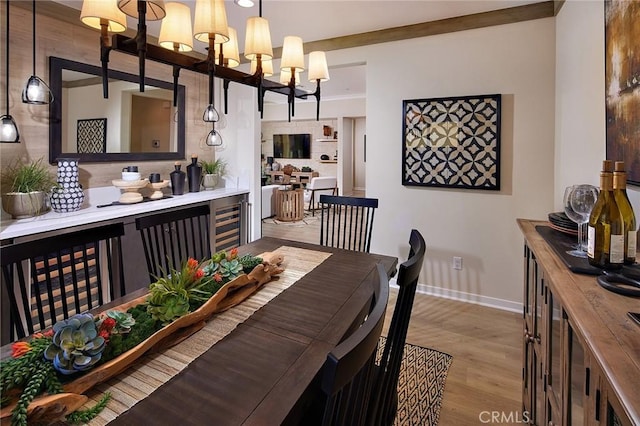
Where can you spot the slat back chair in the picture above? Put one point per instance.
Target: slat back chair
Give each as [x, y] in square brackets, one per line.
[386, 395]
[347, 222]
[348, 372]
[170, 238]
[54, 278]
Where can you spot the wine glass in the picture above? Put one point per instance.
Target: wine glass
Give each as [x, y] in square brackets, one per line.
[578, 203]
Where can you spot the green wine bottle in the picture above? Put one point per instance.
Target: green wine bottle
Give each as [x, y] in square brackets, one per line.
[628, 217]
[606, 229]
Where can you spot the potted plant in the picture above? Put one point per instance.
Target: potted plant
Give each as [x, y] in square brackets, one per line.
[25, 187]
[212, 171]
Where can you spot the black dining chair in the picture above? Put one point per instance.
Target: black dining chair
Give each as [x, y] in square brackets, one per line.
[347, 222]
[53, 278]
[348, 372]
[169, 238]
[385, 390]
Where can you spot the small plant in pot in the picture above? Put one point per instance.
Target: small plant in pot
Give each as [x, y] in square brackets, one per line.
[212, 171]
[25, 188]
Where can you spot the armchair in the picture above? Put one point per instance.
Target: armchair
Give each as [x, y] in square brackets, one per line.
[317, 186]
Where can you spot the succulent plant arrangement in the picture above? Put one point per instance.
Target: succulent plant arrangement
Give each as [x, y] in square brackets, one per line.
[75, 345]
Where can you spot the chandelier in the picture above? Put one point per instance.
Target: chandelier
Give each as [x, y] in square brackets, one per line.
[210, 26]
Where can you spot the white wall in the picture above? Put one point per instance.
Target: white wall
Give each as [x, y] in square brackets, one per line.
[516, 60]
[580, 92]
[551, 75]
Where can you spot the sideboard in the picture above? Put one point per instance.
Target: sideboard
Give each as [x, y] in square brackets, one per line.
[581, 350]
[228, 226]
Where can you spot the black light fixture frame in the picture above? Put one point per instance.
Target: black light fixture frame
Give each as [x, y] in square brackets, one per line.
[139, 47]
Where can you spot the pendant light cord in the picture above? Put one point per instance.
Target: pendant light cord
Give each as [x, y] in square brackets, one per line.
[7, 58]
[34, 37]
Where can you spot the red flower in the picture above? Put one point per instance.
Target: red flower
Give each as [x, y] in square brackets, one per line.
[49, 333]
[233, 254]
[107, 325]
[199, 274]
[217, 277]
[192, 263]
[104, 334]
[19, 348]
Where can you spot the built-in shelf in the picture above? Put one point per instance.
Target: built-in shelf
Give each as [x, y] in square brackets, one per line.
[326, 140]
[328, 161]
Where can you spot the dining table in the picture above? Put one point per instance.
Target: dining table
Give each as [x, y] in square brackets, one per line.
[265, 368]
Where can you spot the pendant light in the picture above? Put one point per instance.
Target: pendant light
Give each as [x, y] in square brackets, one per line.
[8, 128]
[318, 71]
[36, 92]
[293, 62]
[214, 138]
[175, 35]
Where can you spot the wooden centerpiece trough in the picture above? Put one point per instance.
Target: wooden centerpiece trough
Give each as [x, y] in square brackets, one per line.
[229, 295]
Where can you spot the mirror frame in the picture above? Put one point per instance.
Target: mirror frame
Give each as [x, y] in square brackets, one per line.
[56, 65]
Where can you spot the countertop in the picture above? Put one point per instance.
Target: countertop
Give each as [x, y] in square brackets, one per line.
[91, 213]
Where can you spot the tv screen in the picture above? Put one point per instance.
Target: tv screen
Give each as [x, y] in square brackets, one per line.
[292, 146]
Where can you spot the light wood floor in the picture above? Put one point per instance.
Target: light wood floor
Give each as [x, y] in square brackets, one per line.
[485, 343]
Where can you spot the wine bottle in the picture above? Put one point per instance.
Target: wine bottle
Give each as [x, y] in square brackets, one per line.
[628, 217]
[606, 229]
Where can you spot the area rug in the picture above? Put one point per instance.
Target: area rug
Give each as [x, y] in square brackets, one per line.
[421, 384]
[307, 220]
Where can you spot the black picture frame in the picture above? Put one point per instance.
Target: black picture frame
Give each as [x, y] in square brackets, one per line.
[92, 136]
[452, 142]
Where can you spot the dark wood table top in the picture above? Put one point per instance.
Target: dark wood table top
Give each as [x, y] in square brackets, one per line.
[257, 374]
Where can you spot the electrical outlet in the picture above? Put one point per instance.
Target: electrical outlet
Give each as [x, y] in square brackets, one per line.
[457, 263]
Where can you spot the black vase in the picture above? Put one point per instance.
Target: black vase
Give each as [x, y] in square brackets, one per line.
[194, 174]
[177, 180]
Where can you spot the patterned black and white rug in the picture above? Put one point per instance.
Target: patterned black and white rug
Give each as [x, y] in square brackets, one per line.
[421, 385]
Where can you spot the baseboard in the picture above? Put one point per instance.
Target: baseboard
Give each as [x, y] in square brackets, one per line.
[492, 302]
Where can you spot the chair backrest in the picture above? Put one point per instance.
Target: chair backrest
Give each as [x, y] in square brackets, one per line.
[347, 222]
[348, 373]
[389, 371]
[322, 182]
[170, 238]
[53, 278]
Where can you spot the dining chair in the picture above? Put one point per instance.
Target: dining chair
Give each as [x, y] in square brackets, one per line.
[347, 222]
[53, 278]
[348, 372]
[385, 390]
[170, 238]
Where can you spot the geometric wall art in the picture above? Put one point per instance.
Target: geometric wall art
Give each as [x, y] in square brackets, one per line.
[452, 142]
[92, 135]
[622, 84]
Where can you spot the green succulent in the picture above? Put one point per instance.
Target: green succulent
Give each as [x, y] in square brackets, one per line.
[230, 268]
[124, 321]
[219, 257]
[76, 345]
[249, 262]
[168, 307]
[211, 268]
[170, 295]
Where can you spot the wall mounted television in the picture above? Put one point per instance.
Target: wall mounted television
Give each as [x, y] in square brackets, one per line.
[292, 146]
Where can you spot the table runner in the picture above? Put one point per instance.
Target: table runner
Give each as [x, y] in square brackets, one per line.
[140, 380]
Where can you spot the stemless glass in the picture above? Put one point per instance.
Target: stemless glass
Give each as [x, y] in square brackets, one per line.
[578, 203]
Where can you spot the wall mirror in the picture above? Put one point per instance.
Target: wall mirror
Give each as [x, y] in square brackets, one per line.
[130, 125]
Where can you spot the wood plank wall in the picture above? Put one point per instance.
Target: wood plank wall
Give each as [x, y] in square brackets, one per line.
[59, 38]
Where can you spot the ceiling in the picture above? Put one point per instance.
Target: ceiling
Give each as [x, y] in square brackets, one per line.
[315, 20]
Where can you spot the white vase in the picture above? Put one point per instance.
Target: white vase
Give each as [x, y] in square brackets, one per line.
[209, 181]
[68, 197]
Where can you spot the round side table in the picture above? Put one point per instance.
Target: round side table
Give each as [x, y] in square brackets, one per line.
[289, 204]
